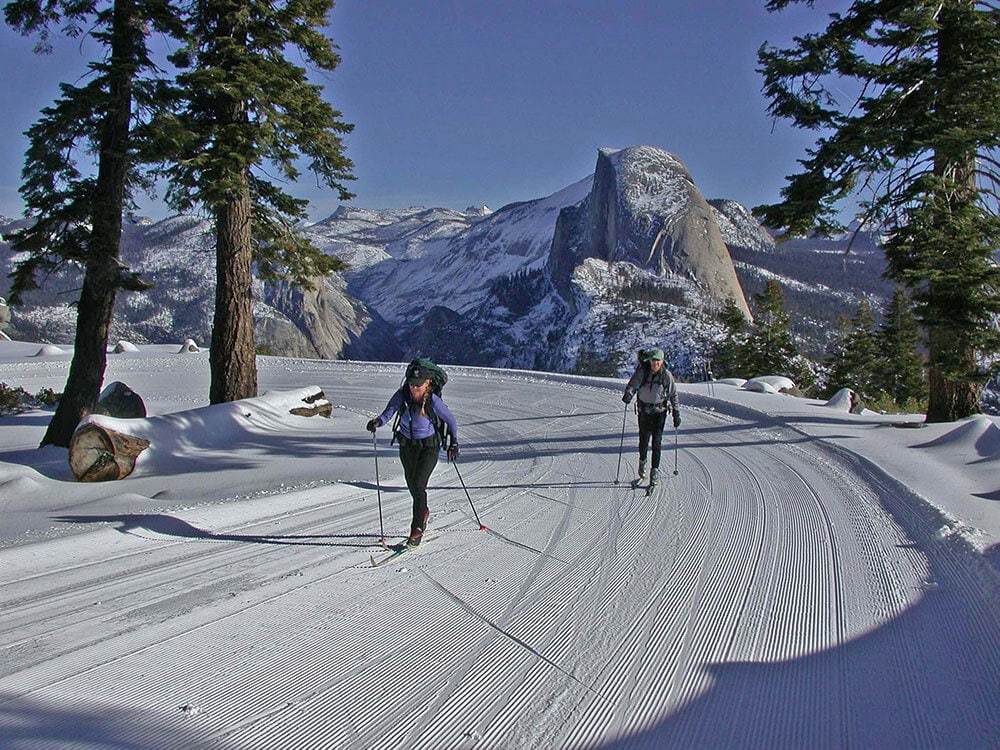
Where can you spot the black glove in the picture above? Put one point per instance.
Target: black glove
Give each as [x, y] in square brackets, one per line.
[372, 425]
[453, 452]
[626, 397]
[677, 419]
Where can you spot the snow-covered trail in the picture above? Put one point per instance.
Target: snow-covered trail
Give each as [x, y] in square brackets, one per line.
[776, 593]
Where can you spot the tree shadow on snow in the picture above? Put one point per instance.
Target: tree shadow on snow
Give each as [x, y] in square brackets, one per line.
[159, 523]
[29, 722]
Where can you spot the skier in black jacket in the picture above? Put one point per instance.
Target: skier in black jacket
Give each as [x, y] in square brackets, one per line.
[657, 392]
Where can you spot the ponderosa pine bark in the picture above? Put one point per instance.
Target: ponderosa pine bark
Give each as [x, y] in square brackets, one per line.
[232, 358]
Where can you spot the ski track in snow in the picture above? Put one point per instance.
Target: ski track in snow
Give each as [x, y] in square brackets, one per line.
[778, 592]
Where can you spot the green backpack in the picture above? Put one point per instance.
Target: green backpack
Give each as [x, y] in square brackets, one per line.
[424, 368]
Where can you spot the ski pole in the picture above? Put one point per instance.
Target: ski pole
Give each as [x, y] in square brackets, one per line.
[378, 492]
[621, 447]
[481, 526]
[675, 450]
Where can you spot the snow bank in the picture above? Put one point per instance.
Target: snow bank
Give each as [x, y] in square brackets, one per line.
[218, 427]
[738, 382]
[977, 438]
[49, 350]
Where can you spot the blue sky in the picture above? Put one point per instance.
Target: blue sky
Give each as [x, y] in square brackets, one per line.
[485, 102]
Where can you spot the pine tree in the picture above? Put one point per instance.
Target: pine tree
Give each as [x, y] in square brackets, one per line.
[77, 218]
[919, 139]
[900, 374]
[245, 111]
[771, 349]
[856, 358]
[730, 352]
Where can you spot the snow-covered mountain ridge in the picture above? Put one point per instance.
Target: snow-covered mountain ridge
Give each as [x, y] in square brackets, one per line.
[630, 256]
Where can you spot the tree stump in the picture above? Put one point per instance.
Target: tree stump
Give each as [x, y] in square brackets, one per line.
[100, 454]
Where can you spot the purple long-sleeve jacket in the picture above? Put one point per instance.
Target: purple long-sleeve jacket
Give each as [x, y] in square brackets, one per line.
[414, 425]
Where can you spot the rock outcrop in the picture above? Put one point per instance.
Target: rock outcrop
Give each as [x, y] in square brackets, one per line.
[644, 208]
[325, 322]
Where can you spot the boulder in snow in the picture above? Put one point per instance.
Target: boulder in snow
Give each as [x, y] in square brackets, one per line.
[758, 385]
[977, 437]
[125, 346]
[315, 403]
[118, 400]
[189, 347]
[847, 400]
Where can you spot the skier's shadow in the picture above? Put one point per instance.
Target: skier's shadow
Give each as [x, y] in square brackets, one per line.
[159, 523]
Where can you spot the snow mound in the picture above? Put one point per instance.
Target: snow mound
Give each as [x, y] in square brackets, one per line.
[977, 435]
[125, 346]
[769, 384]
[49, 350]
[738, 382]
[18, 485]
[842, 400]
[188, 347]
[218, 427]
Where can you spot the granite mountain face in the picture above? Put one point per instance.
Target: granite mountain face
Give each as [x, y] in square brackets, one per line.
[630, 256]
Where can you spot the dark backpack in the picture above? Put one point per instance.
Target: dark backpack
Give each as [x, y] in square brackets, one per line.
[660, 386]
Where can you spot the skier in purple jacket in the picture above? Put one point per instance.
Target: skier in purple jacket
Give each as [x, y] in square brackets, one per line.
[420, 413]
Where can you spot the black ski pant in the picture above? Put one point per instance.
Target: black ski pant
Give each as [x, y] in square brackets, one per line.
[651, 429]
[419, 457]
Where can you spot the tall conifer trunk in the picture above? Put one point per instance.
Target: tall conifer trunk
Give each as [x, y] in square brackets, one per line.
[953, 390]
[950, 399]
[102, 276]
[232, 358]
[918, 142]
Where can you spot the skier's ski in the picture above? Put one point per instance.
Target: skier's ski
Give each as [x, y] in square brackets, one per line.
[636, 482]
[649, 489]
[395, 550]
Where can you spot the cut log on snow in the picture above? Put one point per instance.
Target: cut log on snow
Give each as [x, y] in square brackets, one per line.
[100, 454]
[317, 405]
